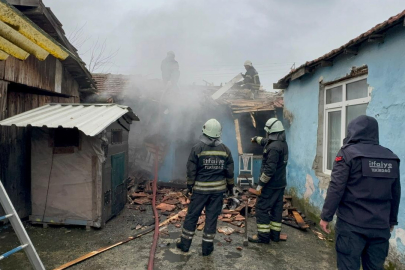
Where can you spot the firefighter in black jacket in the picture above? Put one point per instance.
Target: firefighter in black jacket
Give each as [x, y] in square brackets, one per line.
[209, 175]
[365, 191]
[272, 183]
[251, 79]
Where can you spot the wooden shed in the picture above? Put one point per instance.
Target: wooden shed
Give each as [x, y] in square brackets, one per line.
[79, 161]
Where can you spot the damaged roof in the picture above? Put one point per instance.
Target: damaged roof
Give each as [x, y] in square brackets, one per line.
[113, 84]
[375, 34]
[91, 119]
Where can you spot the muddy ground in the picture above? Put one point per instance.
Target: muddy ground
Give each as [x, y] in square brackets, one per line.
[57, 245]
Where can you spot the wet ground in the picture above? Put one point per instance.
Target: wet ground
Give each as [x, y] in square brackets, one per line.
[58, 245]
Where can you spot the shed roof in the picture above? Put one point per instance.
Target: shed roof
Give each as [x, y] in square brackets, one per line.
[91, 119]
[375, 34]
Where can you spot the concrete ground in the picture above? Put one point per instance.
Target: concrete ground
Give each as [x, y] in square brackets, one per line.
[58, 245]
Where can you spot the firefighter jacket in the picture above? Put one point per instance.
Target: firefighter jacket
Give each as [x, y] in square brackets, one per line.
[251, 79]
[365, 188]
[274, 163]
[210, 166]
[170, 70]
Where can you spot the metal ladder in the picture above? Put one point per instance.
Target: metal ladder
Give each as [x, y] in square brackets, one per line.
[18, 227]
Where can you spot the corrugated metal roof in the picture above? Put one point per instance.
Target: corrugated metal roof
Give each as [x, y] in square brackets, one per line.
[91, 119]
[378, 29]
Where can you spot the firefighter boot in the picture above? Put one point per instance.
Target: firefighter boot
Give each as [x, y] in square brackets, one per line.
[258, 240]
[184, 244]
[207, 248]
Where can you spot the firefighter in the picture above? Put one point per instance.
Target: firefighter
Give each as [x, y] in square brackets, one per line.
[209, 175]
[170, 70]
[251, 79]
[269, 206]
[365, 191]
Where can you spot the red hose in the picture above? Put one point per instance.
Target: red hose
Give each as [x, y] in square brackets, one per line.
[156, 233]
[154, 188]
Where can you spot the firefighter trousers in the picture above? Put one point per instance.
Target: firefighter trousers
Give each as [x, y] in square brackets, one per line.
[355, 243]
[269, 212]
[213, 208]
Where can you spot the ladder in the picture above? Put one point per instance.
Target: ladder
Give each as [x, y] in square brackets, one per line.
[18, 227]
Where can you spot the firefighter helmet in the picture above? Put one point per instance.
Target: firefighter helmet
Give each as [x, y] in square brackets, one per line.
[273, 125]
[212, 128]
[248, 63]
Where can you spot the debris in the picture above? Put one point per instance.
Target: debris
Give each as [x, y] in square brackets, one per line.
[139, 195]
[201, 219]
[164, 244]
[142, 201]
[184, 200]
[301, 223]
[178, 225]
[227, 220]
[220, 244]
[239, 218]
[166, 207]
[239, 248]
[172, 201]
[253, 191]
[237, 223]
[226, 230]
[133, 227]
[138, 227]
[227, 215]
[182, 214]
[68, 231]
[228, 239]
[201, 226]
[283, 237]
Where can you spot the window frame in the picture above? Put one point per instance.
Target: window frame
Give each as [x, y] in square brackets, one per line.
[342, 107]
[121, 132]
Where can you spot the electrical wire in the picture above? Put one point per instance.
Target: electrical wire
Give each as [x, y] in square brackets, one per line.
[49, 183]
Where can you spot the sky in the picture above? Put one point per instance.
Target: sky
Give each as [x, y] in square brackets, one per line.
[213, 38]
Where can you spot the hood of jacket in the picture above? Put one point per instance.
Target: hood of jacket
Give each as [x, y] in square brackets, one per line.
[363, 129]
[210, 141]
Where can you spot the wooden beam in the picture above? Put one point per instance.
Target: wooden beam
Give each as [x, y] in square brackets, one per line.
[351, 50]
[299, 73]
[238, 137]
[280, 85]
[325, 63]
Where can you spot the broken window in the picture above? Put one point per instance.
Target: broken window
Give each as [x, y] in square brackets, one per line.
[116, 136]
[344, 101]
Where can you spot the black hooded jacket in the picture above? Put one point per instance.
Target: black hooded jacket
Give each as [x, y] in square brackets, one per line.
[365, 187]
[210, 167]
[274, 163]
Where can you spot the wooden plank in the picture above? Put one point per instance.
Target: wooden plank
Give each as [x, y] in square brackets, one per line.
[3, 99]
[325, 63]
[238, 137]
[280, 85]
[299, 73]
[226, 87]
[301, 223]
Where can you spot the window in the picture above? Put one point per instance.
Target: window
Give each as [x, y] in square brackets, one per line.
[344, 101]
[66, 137]
[116, 136]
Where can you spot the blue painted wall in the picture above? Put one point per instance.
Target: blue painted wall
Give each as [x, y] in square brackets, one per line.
[386, 65]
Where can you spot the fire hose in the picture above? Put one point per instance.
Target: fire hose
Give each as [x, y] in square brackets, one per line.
[154, 188]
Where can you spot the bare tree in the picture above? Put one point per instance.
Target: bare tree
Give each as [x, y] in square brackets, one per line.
[100, 58]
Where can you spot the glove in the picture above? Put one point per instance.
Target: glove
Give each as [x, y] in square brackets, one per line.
[231, 192]
[259, 190]
[190, 189]
[257, 139]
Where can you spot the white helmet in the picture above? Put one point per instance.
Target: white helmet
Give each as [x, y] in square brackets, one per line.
[273, 125]
[212, 128]
[248, 63]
